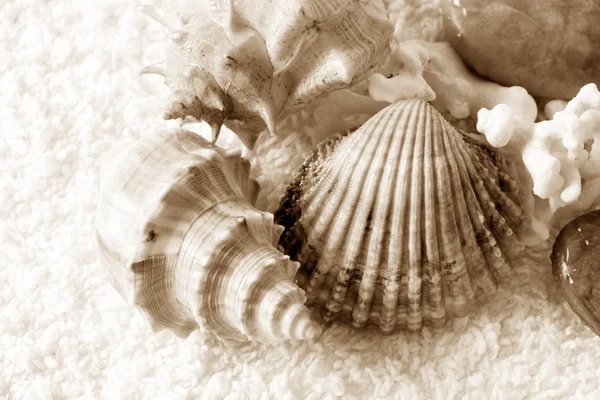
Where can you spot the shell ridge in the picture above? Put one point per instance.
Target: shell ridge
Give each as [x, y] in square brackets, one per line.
[407, 258]
[513, 214]
[290, 212]
[350, 70]
[150, 293]
[484, 243]
[366, 290]
[268, 297]
[474, 275]
[213, 272]
[263, 228]
[247, 290]
[434, 311]
[359, 231]
[315, 169]
[390, 279]
[313, 198]
[323, 11]
[282, 300]
[446, 228]
[506, 223]
[331, 169]
[495, 224]
[247, 294]
[414, 272]
[348, 197]
[200, 264]
[430, 248]
[484, 232]
[329, 196]
[462, 273]
[305, 42]
[373, 236]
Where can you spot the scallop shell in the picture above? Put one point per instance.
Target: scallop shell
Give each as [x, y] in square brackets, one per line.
[179, 238]
[243, 62]
[406, 222]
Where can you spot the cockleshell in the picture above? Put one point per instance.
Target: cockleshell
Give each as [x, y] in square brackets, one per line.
[179, 238]
[243, 62]
[403, 223]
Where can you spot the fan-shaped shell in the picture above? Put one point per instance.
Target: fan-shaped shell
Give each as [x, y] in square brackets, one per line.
[403, 223]
[243, 62]
[179, 238]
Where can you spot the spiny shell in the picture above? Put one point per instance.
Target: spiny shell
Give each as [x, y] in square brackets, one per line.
[243, 62]
[179, 238]
[403, 223]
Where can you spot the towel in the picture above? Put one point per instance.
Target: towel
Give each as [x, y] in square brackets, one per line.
[70, 95]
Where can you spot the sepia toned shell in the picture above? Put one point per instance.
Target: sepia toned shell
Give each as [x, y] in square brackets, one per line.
[179, 238]
[243, 62]
[404, 223]
[576, 267]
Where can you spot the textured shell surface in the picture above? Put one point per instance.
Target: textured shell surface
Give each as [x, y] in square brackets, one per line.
[405, 222]
[179, 238]
[243, 63]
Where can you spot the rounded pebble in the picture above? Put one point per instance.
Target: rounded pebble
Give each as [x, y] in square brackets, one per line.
[576, 267]
[549, 47]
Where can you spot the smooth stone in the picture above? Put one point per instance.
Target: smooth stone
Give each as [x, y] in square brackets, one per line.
[549, 47]
[576, 267]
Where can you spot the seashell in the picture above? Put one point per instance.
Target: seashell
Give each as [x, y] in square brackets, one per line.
[179, 238]
[576, 267]
[242, 63]
[403, 223]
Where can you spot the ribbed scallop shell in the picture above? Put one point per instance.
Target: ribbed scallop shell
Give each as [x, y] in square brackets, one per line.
[403, 223]
[179, 238]
[242, 62]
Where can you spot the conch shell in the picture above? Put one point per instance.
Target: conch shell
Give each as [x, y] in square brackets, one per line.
[242, 63]
[406, 222]
[179, 238]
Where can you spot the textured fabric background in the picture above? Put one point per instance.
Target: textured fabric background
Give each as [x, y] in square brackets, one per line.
[69, 95]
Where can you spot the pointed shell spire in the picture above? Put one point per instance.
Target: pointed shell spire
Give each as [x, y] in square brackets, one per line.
[179, 238]
[405, 222]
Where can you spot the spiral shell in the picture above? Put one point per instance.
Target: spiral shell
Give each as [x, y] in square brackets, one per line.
[404, 223]
[179, 238]
[243, 62]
